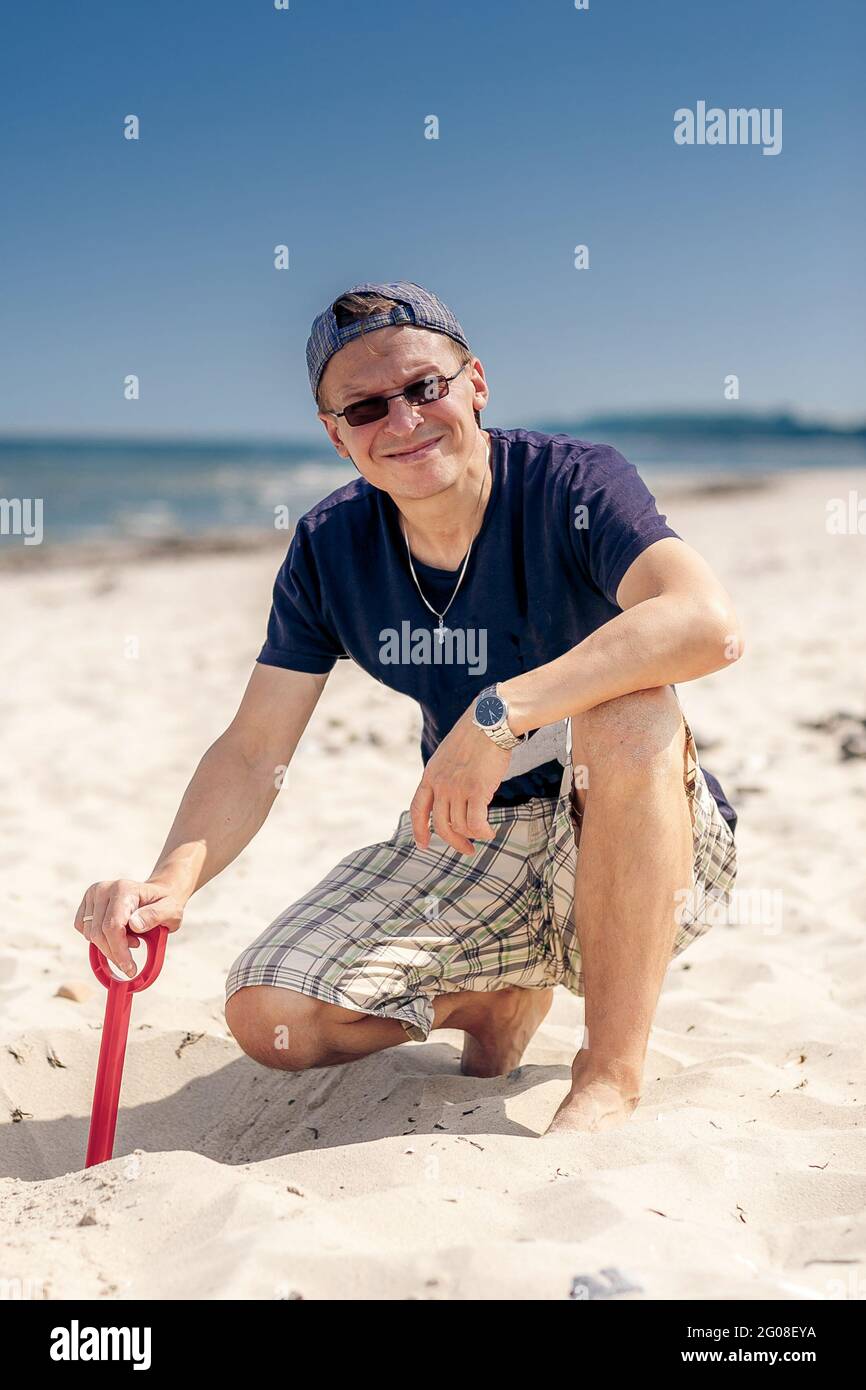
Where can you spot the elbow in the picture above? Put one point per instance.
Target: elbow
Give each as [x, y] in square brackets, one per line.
[725, 640]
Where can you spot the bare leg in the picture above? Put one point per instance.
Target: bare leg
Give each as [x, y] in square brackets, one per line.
[635, 853]
[282, 1028]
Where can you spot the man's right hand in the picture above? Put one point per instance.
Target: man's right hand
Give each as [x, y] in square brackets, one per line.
[117, 905]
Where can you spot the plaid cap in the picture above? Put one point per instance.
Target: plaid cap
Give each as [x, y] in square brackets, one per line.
[415, 306]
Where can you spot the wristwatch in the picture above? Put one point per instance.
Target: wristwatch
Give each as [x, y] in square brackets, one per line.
[491, 715]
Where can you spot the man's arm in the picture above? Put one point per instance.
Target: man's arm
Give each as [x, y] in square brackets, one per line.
[236, 782]
[225, 804]
[678, 623]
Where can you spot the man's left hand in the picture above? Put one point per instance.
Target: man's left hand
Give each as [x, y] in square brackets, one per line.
[458, 785]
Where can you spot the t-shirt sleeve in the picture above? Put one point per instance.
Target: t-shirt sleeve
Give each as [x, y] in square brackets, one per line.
[300, 635]
[612, 517]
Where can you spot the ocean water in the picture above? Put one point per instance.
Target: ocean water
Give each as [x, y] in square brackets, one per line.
[95, 490]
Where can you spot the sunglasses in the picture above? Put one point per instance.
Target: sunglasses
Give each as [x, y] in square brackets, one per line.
[429, 388]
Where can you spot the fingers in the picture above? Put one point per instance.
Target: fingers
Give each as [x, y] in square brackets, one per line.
[419, 811]
[98, 893]
[84, 915]
[164, 912]
[468, 818]
[428, 802]
[112, 912]
[102, 919]
[144, 919]
[445, 813]
[456, 819]
[122, 901]
[477, 824]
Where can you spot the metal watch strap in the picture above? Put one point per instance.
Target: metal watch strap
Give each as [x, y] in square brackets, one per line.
[502, 737]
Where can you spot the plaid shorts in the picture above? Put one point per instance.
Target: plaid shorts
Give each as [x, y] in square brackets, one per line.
[392, 926]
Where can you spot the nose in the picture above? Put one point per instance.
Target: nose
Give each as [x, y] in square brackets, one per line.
[402, 417]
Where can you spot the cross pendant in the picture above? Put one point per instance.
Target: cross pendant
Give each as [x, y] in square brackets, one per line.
[441, 631]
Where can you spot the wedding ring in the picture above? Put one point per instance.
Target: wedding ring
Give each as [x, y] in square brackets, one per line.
[88, 919]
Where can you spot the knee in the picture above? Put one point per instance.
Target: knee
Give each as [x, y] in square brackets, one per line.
[637, 735]
[276, 1027]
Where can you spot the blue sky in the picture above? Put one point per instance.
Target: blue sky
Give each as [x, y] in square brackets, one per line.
[306, 127]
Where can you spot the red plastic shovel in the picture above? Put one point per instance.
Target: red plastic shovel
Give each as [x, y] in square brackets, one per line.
[112, 1049]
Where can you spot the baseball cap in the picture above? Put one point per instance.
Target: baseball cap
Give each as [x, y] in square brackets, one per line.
[415, 305]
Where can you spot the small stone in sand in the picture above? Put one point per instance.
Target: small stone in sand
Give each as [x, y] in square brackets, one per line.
[854, 746]
[76, 990]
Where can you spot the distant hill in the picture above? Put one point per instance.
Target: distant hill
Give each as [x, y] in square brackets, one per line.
[676, 424]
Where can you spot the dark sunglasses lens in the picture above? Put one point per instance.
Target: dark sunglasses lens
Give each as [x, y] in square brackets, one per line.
[365, 412]
[429, 388]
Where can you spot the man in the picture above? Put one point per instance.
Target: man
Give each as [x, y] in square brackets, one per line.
[572, 609]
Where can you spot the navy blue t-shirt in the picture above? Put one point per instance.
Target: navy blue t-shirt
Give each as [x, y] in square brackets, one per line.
[563, 522]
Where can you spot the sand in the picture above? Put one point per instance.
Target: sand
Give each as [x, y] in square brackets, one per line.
[741, 1175]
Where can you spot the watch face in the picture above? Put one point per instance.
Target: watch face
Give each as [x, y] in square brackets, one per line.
[490, 711]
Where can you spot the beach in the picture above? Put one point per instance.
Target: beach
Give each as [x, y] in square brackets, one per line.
[741, 1175]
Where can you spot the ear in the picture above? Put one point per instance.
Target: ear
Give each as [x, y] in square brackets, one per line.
[333, 433]
[479, 385]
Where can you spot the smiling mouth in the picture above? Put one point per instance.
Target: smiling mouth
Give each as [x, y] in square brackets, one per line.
[410, 453]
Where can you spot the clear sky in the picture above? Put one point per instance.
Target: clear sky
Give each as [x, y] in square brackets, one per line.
[306, 127]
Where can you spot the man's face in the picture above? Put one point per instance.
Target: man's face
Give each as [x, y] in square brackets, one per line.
[387, 451]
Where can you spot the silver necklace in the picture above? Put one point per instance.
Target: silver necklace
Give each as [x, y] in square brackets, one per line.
[441, 630]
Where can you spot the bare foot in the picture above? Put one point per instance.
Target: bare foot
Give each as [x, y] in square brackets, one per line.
[594, 1106]
[498, 1042]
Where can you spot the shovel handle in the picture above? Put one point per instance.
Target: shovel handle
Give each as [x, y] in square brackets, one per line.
[155, 940]
[112, 1048]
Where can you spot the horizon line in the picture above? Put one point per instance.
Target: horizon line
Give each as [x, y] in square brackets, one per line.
[663, 417]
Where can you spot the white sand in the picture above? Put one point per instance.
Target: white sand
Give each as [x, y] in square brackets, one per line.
[742, 1173]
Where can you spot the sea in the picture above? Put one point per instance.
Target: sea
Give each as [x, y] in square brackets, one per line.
[170, 490]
